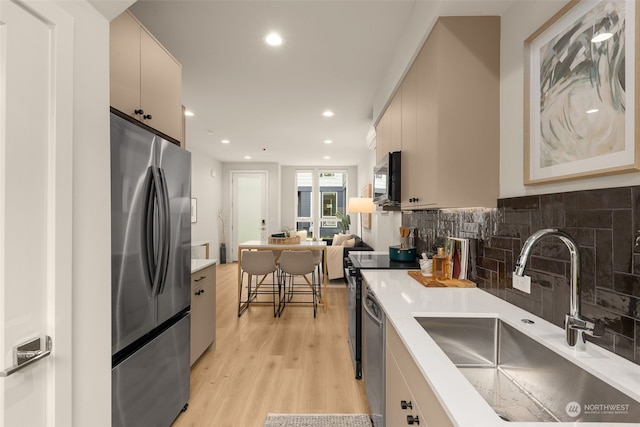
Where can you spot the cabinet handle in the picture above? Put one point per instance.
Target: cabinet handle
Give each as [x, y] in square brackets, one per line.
[411, 420]
[201, 291]
[140, 111]
[147, 117]
[413, 199]
[404, 404]
[201, 277]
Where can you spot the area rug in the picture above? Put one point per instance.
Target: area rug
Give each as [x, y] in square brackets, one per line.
[317, 420]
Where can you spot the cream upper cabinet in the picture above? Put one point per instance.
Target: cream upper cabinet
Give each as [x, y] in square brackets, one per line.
[395, 122]
[409, 146]
[389, 128]
[146, 81]
[383, 135]
[454, 159]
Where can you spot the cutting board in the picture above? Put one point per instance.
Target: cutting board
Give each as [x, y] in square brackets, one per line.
[430, 282]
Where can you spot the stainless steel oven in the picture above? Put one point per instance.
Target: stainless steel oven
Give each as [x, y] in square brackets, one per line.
[355, 263]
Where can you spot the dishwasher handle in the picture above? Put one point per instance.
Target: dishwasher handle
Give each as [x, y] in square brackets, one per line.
[371, 300]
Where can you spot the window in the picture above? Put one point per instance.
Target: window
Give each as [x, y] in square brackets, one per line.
[329, 191]
[329, 204]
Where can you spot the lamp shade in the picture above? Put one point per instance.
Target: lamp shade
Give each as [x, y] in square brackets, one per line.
[361, 205]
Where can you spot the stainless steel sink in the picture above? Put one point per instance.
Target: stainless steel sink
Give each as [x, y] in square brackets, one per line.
[521, 379]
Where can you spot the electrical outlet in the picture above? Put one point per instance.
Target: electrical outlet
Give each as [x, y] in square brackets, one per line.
[522, 283]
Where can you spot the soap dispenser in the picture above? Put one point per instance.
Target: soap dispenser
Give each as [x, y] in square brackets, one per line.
[440, 265]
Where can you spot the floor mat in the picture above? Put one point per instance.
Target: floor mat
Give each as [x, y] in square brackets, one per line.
[317, 420]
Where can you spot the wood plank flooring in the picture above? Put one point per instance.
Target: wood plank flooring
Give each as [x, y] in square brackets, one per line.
[262, 364]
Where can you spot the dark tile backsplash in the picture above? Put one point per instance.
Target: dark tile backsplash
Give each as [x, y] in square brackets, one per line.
[606, 225]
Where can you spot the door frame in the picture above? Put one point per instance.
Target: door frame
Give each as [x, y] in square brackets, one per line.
[58, 376]
[233, 175]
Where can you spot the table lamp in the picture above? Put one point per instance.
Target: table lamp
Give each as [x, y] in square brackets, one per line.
[361, 205]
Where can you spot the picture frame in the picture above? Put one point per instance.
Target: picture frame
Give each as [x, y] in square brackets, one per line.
[581, 95]
[194, 210]
[366, 217]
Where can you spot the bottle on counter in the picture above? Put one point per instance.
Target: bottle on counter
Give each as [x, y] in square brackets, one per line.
[440, 265]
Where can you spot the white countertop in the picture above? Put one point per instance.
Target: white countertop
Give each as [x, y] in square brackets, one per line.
[403, 298]
[199, 264]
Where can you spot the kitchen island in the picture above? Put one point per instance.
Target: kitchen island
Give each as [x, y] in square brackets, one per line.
[402, 298]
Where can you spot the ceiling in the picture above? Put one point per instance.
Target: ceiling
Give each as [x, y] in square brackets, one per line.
[268, 102]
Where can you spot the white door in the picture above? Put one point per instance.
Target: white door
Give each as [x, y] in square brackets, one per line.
[249, 196]
[36, 57]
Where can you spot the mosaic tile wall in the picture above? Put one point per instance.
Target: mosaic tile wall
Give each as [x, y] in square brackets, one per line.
[605, 224]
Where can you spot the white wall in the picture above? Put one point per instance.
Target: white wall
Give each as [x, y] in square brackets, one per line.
[518, 23]
[91, 304]
[207, 189]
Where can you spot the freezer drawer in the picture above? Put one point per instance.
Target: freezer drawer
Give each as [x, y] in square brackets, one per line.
[151, 386]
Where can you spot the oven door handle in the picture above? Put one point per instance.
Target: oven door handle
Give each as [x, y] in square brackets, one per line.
[379, 322]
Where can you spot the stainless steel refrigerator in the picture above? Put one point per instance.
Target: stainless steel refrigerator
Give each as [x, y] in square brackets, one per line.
[150, 269]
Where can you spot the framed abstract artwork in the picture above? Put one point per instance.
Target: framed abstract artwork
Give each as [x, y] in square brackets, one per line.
[366, 218]
[581, 93]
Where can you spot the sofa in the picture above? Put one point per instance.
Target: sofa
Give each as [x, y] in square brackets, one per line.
[338, 249]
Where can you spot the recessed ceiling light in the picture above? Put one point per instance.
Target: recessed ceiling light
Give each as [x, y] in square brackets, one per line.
[601, 37]
[328, 113]
[326, 157]
[273, 39]
[188, 113]
[247, 157]
[225, 141]
[328, 141]
[593, 110]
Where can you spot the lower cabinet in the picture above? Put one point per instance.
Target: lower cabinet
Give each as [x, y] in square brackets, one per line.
[203, 311]
[410, 400]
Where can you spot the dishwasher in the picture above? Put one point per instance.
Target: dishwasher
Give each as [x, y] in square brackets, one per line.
[374, 357]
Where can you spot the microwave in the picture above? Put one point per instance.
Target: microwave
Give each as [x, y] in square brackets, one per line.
[386, 180]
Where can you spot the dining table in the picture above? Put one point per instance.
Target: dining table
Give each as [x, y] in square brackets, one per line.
[304, 245]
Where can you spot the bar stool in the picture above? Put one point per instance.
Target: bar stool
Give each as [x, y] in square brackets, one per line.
[298, 263]
[259, 263]
[317, 261]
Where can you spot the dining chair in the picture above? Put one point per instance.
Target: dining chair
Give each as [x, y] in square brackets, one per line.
[259, 263]
[298, 264]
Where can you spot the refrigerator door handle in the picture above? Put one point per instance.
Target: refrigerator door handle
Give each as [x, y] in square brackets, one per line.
[148, 240]
[165, 223]
[154, 238]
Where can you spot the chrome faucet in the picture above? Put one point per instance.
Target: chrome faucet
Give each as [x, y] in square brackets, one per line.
[574, 322]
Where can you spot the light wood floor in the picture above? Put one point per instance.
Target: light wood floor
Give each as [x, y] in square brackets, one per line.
[291, 364]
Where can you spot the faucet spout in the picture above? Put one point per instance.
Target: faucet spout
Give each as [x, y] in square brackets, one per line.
[575, 324]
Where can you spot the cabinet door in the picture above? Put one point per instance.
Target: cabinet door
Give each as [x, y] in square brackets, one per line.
[382, 137]
[160, 87]
[426, 156]
[124, 64]
[395, 122]
[469, 118]
[398, 393]
[411, 165]
[203, 311]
